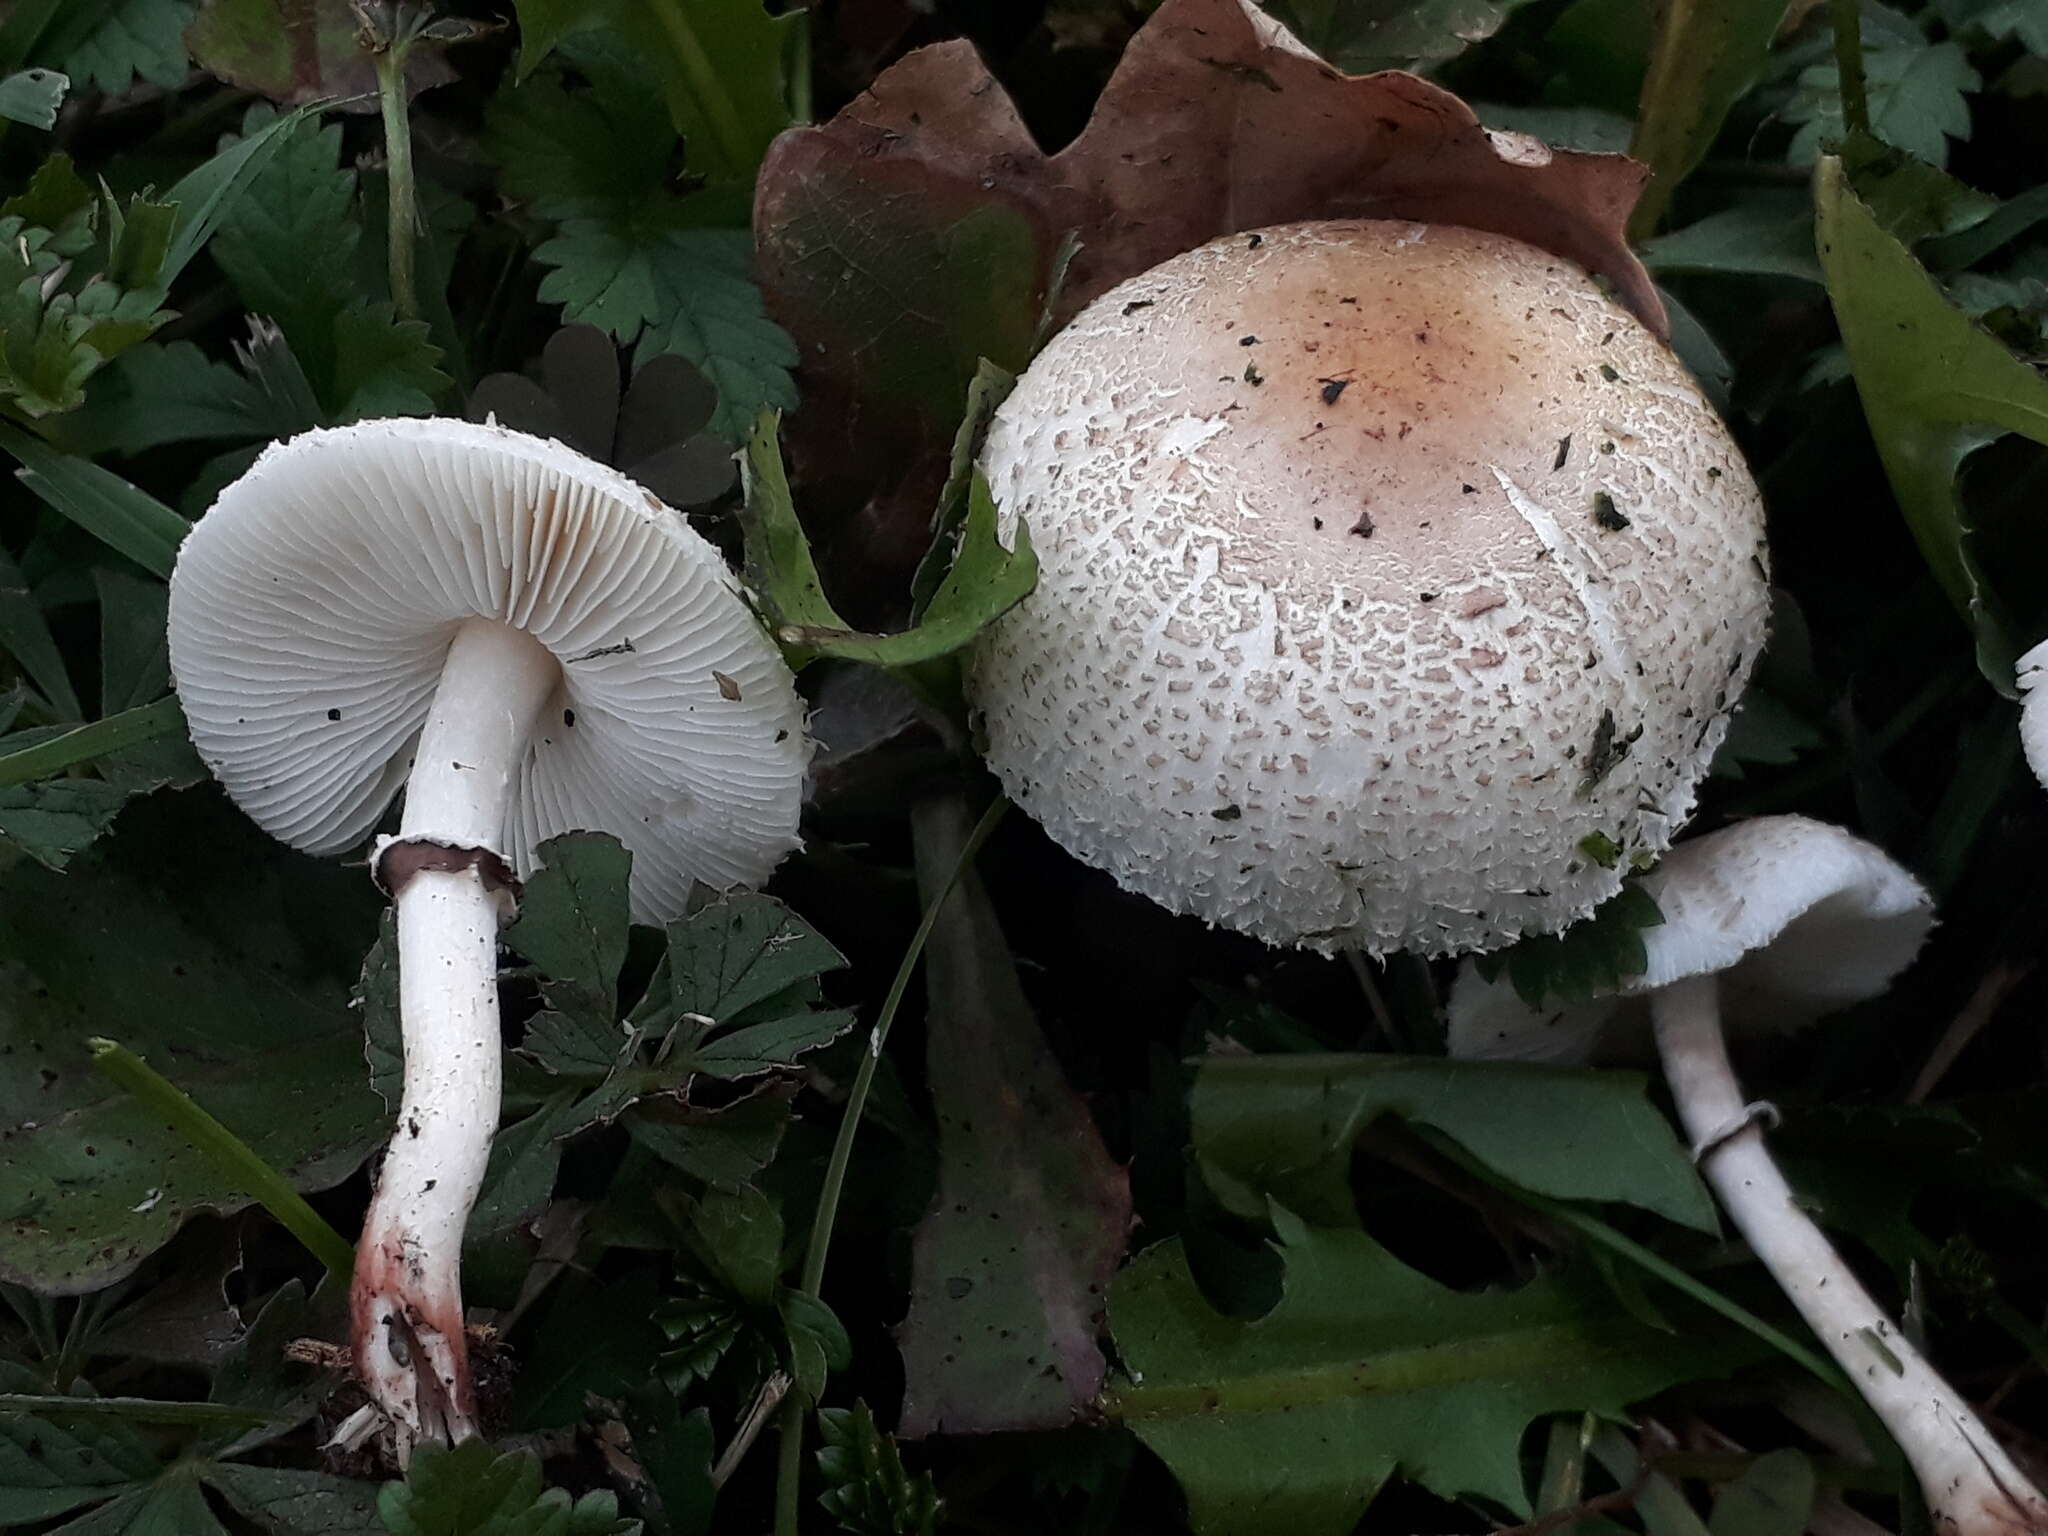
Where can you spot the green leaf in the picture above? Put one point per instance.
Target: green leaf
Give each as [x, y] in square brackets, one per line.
[542, 26]
[574, 912]
[205, 196]
[723, 72]
[471, 1490]
[53, 1462]
[52, 822]
[157, 394]
[1282, 1128]
[291, 1502]
[676, 1450]
[171, 1506]
[1363, 1368]
[685, 291]
[591, 1336]
[23, 760]
[1592, 957]
[127, 40]
[1761, 236]
[1773, 1497]
[1707, 55]
[1361, 36]
[25, 634]
[984, 582]
[32, 96]
[213, 950]
[871, 1494]
[383, 366]
[757, 1048]
[1935, 388]
[628, 255]
[1918, 100]
[745, 950]
[288, 245]
[122, 517]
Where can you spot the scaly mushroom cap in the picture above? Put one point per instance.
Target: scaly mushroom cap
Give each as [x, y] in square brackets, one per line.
[1796, 917]
[1395, 587]
[312, 607]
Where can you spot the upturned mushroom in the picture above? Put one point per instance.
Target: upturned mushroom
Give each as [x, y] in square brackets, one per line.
[529, 644]
[1395, 587]
[1777, 921]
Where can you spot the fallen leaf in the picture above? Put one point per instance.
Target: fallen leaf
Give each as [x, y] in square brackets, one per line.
[920, 230]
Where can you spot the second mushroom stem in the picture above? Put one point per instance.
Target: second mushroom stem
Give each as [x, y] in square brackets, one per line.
[1972, 1486]
[406, 1300]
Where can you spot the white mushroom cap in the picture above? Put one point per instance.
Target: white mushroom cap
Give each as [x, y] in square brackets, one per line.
[1395, 587]
[2032, 672]
[1796, 918]
[312, 607]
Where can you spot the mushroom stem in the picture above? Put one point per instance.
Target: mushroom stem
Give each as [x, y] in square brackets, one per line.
[406, 1300]
[1971, 1485]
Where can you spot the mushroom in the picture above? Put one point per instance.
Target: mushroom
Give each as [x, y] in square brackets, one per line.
[2031, 668]
[1780, 919]
[530, 644]
[1395, 587]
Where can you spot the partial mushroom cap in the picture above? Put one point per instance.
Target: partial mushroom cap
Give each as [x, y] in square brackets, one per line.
[1395, 588]
[312, 607]
[1796, 917]
[2032, 672]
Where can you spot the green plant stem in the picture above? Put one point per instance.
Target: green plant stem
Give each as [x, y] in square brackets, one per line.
[789, 1461]
[142, 1410]
[1849, 64]
[400, 217]
[228, 1152]
[700, 78]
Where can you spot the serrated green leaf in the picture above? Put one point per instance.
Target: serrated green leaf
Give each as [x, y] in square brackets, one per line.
[471, 1490]
[573, 920]
[54, 821]
[739, 952]
[171, 1506]
[870, 1493]
[383, 366]
[1283, 1128]
[984, 581]
[757, 1048]
[1918, 96]
[628, 255]
[686, 291]
[1364, 1368]
[1934, 388]
[127, 40]
[32, 96]
[1761, 236]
